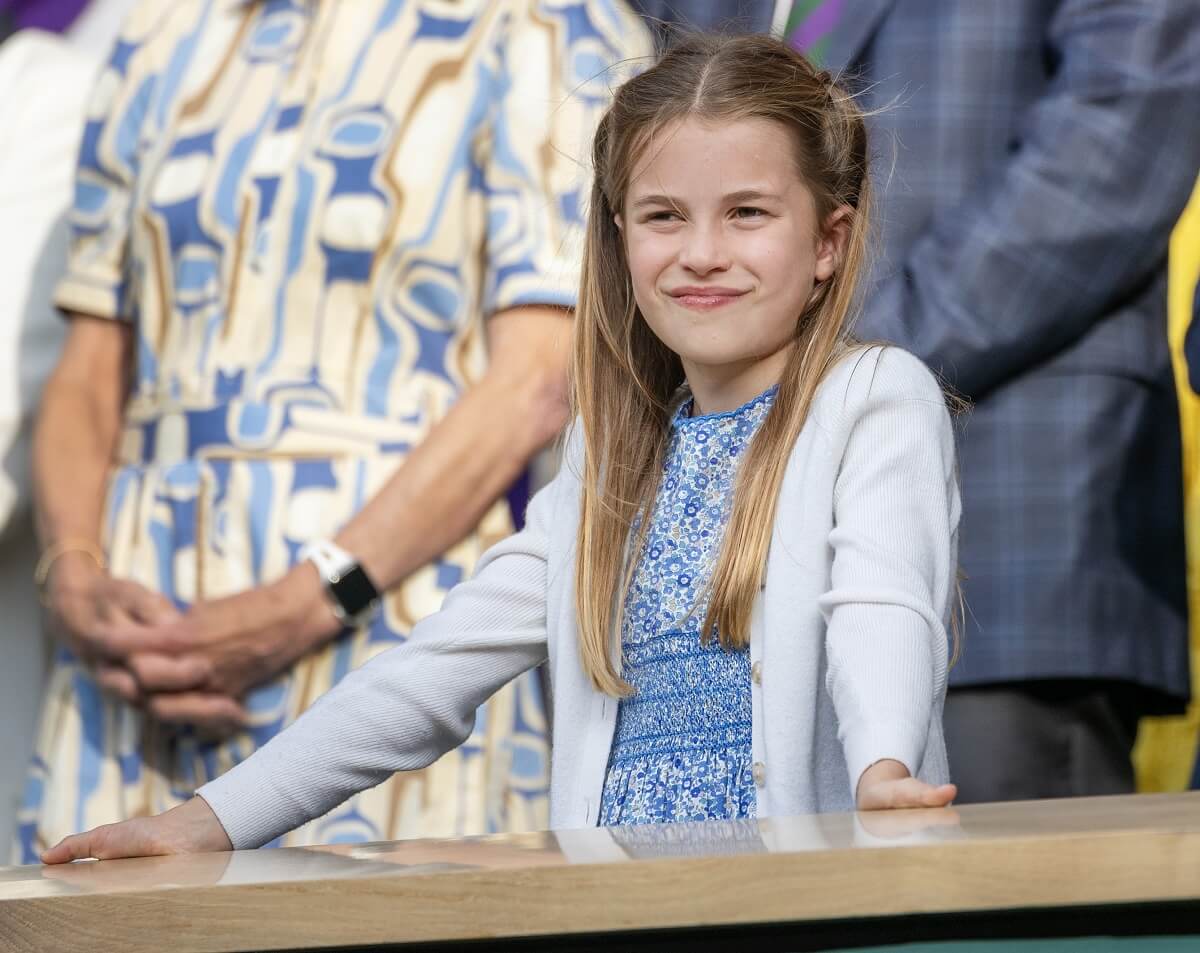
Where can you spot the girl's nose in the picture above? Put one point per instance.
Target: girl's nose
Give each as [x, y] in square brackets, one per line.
[703, 251]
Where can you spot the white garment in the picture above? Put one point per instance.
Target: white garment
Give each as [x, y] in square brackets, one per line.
[783, 9]
[95, 29]
[47, 84]
[848, 639]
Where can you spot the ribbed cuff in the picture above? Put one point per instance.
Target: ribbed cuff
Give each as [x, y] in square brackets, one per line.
[878, 741]
[252, 812]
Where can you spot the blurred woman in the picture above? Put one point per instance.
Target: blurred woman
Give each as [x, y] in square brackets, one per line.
[322, 259]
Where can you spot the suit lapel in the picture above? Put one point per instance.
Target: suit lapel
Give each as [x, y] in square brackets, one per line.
[860, 19]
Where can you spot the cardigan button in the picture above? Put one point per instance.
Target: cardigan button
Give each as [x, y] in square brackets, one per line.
[756, 673]
[759, 770]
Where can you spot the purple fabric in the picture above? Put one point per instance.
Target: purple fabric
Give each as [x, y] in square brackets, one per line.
[817, 24]
[52, 15]
[518, 499]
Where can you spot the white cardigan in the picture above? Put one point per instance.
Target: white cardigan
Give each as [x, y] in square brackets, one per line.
[848, 643]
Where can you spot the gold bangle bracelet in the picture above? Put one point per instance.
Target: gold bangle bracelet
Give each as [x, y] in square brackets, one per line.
[61, 548]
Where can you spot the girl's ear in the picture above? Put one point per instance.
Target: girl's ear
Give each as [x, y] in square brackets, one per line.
[620, 223]
[831, 245]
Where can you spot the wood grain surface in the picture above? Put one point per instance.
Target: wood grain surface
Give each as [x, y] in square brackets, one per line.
[1027, 855]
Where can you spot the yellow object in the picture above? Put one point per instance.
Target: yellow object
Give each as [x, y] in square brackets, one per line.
[1166, 747]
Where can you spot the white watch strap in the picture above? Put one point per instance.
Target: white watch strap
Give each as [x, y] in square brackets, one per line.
[329, 558]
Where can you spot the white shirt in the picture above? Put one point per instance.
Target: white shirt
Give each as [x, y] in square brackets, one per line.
[39, 140]
[95, 29]
[780, 17]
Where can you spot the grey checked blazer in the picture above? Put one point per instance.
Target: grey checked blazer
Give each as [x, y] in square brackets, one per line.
[1031, 158]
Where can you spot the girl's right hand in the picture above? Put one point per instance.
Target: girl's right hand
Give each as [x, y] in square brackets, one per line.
[190, 828]
[887, 785]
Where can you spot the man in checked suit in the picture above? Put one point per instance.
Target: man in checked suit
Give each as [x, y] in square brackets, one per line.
[1031, 158]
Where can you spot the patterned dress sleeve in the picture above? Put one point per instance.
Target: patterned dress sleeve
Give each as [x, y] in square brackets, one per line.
[97, 279]
[557, 64]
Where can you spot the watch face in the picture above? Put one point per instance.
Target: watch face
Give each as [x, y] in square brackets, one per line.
[354, 591]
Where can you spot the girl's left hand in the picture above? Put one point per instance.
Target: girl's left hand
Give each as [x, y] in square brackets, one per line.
[887, 785]
[190, 827]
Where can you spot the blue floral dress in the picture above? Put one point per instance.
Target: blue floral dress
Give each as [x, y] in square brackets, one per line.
[681, 750]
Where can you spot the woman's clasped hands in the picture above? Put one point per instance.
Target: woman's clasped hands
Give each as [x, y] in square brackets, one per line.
[186, 667]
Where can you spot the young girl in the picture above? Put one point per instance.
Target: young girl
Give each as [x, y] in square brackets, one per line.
[741, 574]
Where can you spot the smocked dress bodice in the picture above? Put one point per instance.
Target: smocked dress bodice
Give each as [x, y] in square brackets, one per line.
[681, 750]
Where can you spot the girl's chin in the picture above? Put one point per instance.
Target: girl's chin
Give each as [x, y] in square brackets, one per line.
[734, 358]
[723, 362]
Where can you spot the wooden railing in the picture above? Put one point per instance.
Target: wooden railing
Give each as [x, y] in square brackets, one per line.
[1122, 866]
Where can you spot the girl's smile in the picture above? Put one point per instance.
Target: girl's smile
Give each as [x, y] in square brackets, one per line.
[705, 298]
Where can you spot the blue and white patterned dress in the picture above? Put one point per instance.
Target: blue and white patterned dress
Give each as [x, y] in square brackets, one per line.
[681, 750]
[306, 213]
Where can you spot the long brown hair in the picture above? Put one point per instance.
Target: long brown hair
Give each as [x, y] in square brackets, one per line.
[625, 382]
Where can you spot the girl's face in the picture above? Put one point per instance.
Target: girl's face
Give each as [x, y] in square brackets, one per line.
[724, 249]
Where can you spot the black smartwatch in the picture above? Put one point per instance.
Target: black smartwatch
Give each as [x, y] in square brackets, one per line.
[352, 595]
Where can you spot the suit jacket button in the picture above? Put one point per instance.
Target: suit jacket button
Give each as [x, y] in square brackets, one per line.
[759, 770]
[756, 673]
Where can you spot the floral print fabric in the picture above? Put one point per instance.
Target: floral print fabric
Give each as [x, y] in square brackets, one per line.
[681, 750]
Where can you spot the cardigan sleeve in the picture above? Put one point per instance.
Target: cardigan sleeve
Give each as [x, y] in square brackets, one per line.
[408, 706]
[894, 545]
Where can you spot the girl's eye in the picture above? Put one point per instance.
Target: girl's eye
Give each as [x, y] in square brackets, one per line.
[748, 212]
[662, 217]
